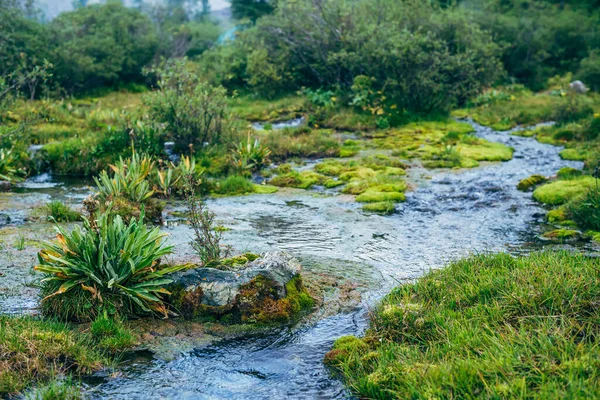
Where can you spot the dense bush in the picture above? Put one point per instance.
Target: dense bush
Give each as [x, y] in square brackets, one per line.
[194, 112]
[104, 265]
[101, 45]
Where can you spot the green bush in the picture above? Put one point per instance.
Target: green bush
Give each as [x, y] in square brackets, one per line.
[193, 111]
[420, 57]
[104, 265]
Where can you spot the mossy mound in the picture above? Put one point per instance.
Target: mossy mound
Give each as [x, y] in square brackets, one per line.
[561, 234]
[556, 215]
[382, 207]
[299, 180]
[561, 191]
[528, 183]
[375, 196]
[574, 154]
[486, 151]
[258, 302]
[569, 173]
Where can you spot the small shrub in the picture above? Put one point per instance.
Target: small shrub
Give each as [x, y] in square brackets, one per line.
[207, 239]
[193, 111]
[104, 265]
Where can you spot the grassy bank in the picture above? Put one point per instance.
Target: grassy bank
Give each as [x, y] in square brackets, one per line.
[34, 351]
[490, 326]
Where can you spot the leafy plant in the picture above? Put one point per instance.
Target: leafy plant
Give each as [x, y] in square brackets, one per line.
[104, 265]
[8, 170]
[251, 155]
[129, 179]
[320, 97]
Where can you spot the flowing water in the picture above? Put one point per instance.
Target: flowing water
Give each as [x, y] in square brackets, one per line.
[449, 215]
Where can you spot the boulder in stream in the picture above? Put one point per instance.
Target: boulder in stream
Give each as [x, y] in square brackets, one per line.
[5, 186]
[264, 289]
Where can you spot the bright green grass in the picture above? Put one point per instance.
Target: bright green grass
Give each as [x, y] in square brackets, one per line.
[490, 326]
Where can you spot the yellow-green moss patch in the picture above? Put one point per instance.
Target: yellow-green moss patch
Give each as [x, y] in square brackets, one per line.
[561, 191]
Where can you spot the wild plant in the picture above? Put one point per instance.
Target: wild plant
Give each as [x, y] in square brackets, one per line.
[166, 179]
[8, 170]
[104, 265]
[129, 179]
[251, 155]
[207, 238]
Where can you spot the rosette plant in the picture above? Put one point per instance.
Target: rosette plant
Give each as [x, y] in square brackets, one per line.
[106, 265]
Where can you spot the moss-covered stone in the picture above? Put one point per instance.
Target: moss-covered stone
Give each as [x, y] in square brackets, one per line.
[528, 183]
[561, 191]
[265, 189]
[258, 302]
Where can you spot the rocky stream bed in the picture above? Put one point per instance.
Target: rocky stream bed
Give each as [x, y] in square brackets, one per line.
[349, 258]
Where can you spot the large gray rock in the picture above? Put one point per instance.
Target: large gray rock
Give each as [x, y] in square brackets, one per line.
[4, 186]
[219, 288]
[578, 87]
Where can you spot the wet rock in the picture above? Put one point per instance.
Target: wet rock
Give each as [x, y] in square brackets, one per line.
[578, 87]
[4, 186]
[266, 289]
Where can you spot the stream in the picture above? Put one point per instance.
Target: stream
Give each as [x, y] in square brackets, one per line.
[450, 214]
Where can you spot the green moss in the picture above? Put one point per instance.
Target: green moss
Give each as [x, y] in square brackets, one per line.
[561, 191]
[561, 234]
[372, 196]
[568, 173]
[233, 185]
[384, 207]
[300, 180]
[528, 183]
[257, 301]
[332, 183]
[574, 154]
[265, 189]
[556, 215]
[486, 151]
